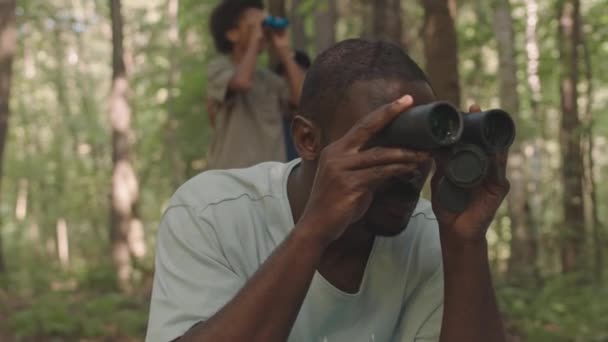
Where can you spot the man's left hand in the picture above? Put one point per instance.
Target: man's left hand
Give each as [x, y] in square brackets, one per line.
[472, 224]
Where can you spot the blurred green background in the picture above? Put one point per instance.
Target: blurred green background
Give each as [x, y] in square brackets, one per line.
[74, 267]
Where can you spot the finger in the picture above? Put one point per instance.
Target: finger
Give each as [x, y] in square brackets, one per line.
[371, 124]
[372, 177]
[474, 108]
[497, 168]
[377, 156]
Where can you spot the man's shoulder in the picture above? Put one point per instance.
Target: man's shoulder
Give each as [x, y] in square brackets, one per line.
[215, 187]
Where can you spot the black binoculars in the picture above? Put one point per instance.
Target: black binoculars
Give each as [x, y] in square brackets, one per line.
[275, 23]
[466, 139]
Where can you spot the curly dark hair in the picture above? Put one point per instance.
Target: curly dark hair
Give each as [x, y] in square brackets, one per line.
[225, 17]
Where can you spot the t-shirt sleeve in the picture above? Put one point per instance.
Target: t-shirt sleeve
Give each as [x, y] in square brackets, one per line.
[421, 321]
[219, 72]
[192, 279]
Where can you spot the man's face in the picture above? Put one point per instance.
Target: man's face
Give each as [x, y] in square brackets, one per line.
[394, 201]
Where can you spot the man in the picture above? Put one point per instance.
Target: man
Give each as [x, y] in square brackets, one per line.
[336, 246]
[245, 103]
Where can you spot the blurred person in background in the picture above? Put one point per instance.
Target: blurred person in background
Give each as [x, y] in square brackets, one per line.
[246, 103]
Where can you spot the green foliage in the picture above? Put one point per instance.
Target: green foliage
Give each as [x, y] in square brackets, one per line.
[562, 310]
[69, 316]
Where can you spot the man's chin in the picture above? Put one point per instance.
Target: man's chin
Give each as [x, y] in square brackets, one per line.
[388, 227]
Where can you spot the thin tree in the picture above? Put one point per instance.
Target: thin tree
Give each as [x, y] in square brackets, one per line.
[591, 203]
[441, 48]
[570, 136]
[177, 165]
[325, 25]
[298, 28]
[8, 43]
[124, 192]
[387, 23]
[522, 259]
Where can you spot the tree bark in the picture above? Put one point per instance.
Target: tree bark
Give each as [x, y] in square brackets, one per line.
[325, 25]
[570, 137]
[523, 256]
[441, 49]
[8, 43]
[533, 55]
[178, 169]
[298, 28]
[124, 192]
[591, 203]
[387, 24]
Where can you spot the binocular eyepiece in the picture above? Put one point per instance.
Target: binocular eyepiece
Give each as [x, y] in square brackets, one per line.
[275, 23]
[466, 141]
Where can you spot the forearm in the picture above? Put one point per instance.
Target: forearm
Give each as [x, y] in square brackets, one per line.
[267, 306]
[244, 71]
[470, 309]
[295, 75]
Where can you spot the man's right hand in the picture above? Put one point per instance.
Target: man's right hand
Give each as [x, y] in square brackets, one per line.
[347, 174]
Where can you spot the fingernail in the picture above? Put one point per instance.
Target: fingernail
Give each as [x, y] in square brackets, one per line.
[406, 100]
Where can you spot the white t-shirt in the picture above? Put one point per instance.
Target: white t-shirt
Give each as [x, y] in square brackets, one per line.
[219, 228]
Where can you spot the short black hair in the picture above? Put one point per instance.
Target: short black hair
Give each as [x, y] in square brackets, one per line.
[336, 69]
[225, 17]
[300, 57]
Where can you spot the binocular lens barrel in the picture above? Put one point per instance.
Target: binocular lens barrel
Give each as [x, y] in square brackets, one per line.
[425, 127]
[275, 23]
[468, 139]
[493, 130]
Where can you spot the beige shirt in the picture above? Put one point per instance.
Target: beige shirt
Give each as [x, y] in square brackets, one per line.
[248, 128]
[222, 225]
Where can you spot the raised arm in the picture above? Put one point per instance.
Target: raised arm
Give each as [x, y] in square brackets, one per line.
[242, 80]
[293, 72]
[470, 309]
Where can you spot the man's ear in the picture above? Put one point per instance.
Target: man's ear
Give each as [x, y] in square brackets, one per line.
[232, 35]
[306, 138]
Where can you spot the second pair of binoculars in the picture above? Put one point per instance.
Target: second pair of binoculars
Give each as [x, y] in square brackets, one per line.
[275, 23]
[465, 139]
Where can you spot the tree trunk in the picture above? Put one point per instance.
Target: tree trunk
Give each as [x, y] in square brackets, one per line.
[124, 181]
[387, 24]
[570, 137]
[325, 25]
[298, 28]
[8, 43]
[533, 55]
[591, 204]
[523, 253]
[178, 169]
[441, 49]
